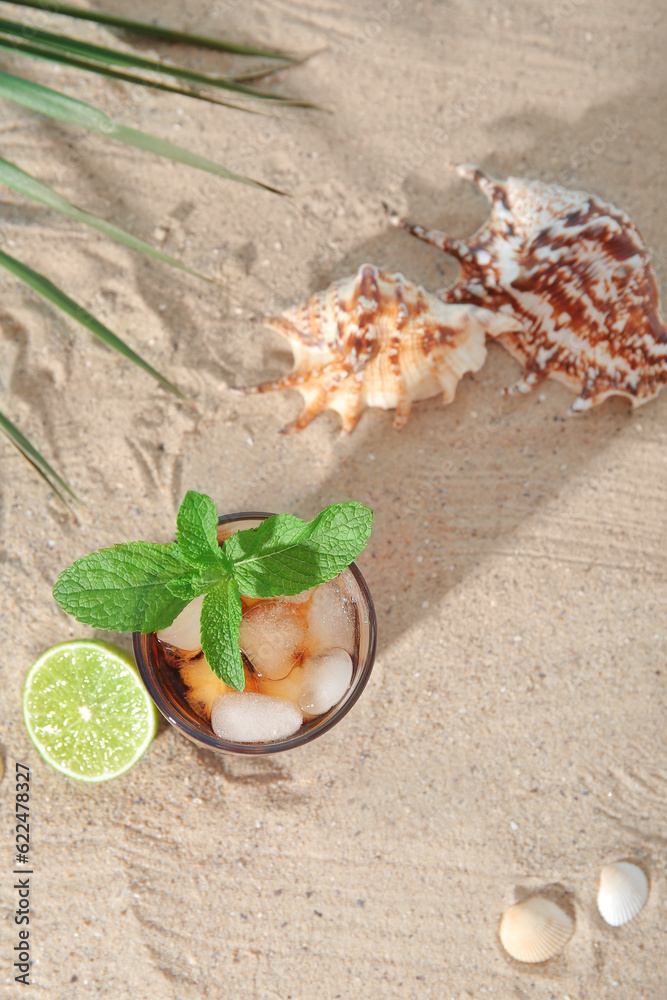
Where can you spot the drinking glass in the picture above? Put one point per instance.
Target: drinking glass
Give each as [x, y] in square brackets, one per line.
[163, 684]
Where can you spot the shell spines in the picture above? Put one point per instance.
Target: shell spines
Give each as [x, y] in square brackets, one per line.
[376, 339]
[577, 276]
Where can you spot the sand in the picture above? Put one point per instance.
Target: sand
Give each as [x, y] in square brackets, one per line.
[512, 736]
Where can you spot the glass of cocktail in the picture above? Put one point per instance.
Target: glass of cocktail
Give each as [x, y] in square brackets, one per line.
[307, 657]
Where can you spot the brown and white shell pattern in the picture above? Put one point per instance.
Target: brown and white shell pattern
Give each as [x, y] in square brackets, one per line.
[576, 274]
[375, 339]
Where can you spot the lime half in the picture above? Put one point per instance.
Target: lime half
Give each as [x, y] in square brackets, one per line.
[87, 711]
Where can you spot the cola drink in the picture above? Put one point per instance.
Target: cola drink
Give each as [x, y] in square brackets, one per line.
[306, 660]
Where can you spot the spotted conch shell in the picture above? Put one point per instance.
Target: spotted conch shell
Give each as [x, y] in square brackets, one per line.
[575, 273]
[376, 339]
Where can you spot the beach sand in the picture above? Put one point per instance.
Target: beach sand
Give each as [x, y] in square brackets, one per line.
[512, 737]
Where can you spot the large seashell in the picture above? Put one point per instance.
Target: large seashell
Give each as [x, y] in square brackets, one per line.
[576, 274]
[623, 892]
[535, 930]
[376, 339]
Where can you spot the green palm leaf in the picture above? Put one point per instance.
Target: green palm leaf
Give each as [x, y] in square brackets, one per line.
[154, 30]
[115, 74]
[114, 57]
[53, 294]
[29, 40]
[68, 109]
[259, 72]
[29, 186]
[37, 461]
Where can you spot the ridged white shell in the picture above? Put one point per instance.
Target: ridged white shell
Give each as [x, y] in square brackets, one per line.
[623, 892]
[376, 339]
[535, 930]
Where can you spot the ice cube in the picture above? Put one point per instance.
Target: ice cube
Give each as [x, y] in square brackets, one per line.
[203, 686]
[254, 718]
[273, 635]
[184, 630]
[326, 678]
[300, 598]
[288, 688]
[330, 620]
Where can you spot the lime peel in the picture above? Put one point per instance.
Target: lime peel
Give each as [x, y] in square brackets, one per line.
[87, 711]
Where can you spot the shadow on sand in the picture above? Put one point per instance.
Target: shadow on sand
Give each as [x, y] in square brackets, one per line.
[452, 488]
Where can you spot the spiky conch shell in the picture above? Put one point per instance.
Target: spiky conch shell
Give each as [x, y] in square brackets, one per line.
[375, 339]
[575, 273]
[623, 892]
[535, 930]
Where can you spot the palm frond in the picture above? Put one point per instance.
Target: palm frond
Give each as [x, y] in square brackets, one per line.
[38, 462]
[259, 72]
[47, 40]
[68, 109]
[153, 30]
[56, 297]
[28, 40]
[30, 187]
[114, 74]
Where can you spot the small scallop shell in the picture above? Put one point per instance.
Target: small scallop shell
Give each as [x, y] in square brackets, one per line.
[576, 274]
[535, 930]
[376, 339]
[623, 892]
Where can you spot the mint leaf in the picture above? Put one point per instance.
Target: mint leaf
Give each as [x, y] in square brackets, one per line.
[220, 625]
[142, 587]
[190, 587]
[285, 555]
[124, 588]
[197, 530]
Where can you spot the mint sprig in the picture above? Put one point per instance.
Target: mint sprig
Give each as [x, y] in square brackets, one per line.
[220, 625]
[197, 530]
[284, 555]
[125, 587]
[142, 586]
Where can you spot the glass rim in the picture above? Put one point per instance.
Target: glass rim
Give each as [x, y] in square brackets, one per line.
[215, 743]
